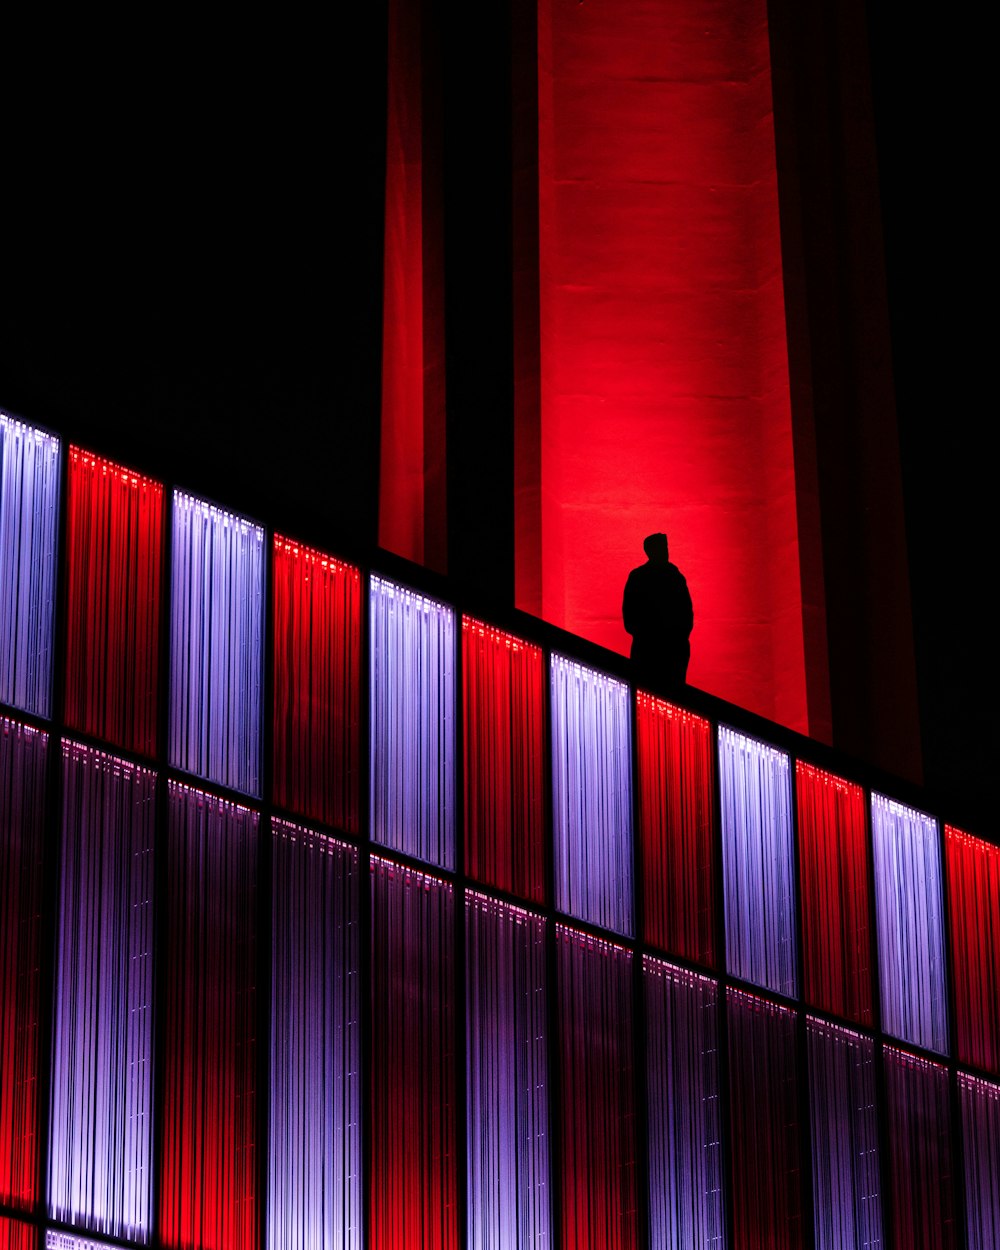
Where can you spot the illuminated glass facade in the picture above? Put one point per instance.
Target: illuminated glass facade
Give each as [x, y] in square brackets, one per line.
[433, 958]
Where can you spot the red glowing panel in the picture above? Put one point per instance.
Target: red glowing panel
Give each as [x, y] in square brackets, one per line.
[675, 828]
[317, 685]
[16, 1236]
[114, 543]
[833, 870]
[23, 754]
[974, 899]
[664, 375]
[504, 746]
[207, 1155]
[413, 1150]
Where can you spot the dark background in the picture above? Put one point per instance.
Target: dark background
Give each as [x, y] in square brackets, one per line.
[191, 282]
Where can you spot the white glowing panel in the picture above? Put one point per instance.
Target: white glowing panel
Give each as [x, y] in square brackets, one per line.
[412, 743]
[592, 795]
[216, 635]
[29, 527]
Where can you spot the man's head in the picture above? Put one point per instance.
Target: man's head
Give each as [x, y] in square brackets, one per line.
[656, 549]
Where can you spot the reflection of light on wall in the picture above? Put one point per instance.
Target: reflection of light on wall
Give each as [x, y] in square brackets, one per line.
[507, 1076]
[29, 527]
[591, 795]
[216, 633]
[908, 910]
[758, 862]
[314, 1154]
[412, 750]
[920, 1162]
[980, 1102]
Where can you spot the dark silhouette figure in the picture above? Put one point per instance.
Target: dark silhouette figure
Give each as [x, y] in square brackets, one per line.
[658, 614]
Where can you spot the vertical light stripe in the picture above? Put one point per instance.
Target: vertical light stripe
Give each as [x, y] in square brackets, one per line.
[314, 1160]
[981, 1140]
[216, 633]
[847, 1192]
[758, 862]
[102, 1061]
[29, 529]
[507, 1078]
[686, 1205]
[592, 795]
[909, 914]
[412, 755]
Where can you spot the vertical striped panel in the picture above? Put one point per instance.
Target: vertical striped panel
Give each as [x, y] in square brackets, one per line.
[599, 1198]
[981, 1144]
[23, 764]
[763, 1104]
[216, 628]
[974, 895]
[833, 873]
[314, 1158]
[114, 535]
[921, 1176]
[504, 754]
[412, 759]
[207, 1143]
[758, 862]
[102, 1035]
[414, 1181]
[909, 913]
[29, 530]
[16, 1236]
[592, 795]
[317, 685]
[686, 1203]
[847, 1192]
[507, 1077]
[674, 750]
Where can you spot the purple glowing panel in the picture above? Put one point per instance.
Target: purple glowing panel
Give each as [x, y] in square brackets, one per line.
[592, 795]
[686, 1210]
[29, 527]
[412, 774]
[314, 1159]
[216, 632]
[981, 1139]
[847, 1192]
[909, 910]
[758, 862]
[69, 1241]
[102, 1070]
[506, 1071]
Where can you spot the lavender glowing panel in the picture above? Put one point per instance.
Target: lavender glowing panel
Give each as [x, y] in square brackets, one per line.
[758, 858]
[216, 631]
[314, 1159]
[909, 914]
[921, 1178]
[598, 1182]
[981, 1141]
[685, 1132]
[507, 1079]
[847, 1192]
[763, 1106]
[102, 1045]
[16, 1236]
[29, 527]
[70, 1241]
[414, 1165]
[207, 1156]
[23, 766]
[592, 795]
[412, 773]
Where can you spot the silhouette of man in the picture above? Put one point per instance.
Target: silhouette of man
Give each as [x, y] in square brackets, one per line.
[657, 611]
